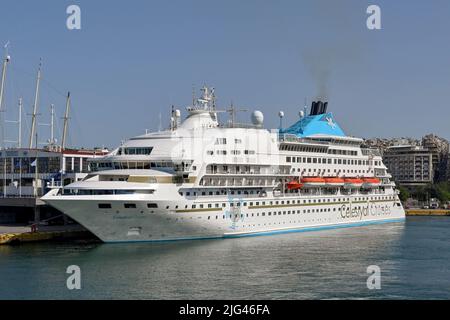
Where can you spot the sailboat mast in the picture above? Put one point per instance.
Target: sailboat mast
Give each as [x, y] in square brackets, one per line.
[2, 83]
[52, 124]
[66, 119]
[19, 138]
[33, 116]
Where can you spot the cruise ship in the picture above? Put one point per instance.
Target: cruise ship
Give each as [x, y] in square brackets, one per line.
[202, 179]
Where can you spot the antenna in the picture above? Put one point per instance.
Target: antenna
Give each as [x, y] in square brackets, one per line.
[172, 118]
[160, 125]
[232, 111]
[36, 97]
[213, 98]
[281, 115]
[66, 121]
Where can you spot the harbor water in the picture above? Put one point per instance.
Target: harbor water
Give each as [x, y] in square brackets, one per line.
[413, 258]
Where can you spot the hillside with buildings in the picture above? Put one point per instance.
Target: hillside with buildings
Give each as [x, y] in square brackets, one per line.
[420, 167]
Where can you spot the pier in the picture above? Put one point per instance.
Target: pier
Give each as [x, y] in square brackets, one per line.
[427, 212]
[22, 234]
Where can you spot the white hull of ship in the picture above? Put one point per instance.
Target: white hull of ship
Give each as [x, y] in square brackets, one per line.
[143, 224]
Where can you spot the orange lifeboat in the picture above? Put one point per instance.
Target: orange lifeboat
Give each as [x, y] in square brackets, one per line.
[353, 182]
[313, 181]
[334, 181]
[294, 185]
[371, 182]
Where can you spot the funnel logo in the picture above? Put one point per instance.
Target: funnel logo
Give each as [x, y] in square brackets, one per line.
[330, 122]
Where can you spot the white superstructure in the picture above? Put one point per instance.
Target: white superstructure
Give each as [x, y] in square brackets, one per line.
[200, 179]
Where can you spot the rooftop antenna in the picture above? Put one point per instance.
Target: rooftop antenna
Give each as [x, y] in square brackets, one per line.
[160, 125]
[281, 115]
[66, 122]
[213, 98]
[34, 114]
[172, 118]
[232, 111]
[302, 113]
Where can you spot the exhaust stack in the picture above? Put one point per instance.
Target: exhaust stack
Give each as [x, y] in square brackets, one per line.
[318, 107]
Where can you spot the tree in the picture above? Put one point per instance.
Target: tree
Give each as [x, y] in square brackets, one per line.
[404, 193]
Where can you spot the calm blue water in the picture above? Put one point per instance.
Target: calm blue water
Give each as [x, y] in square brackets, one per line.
[414, 258]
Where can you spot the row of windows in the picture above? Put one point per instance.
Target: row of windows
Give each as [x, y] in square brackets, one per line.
[222, 192]
[288, 212]
[233, 152]
[45, 164]
[136, 150]
[224, 141]
[285, 212]
[334, 170]
[330, 161]
[131, 165]
[298, 148]
[343, 152]
[257, 203]
[126, 205]
[96, 192]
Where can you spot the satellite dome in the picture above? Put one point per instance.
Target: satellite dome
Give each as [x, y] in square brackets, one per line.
[257, 118]
[301, 114]
[281, 114]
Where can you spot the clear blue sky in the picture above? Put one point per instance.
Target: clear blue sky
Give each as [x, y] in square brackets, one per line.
[134, 59]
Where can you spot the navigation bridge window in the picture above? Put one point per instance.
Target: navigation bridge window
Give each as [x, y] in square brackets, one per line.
[137, 151]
